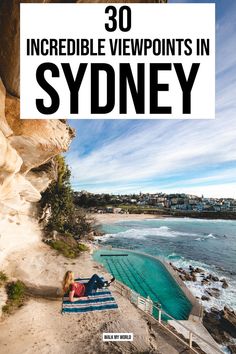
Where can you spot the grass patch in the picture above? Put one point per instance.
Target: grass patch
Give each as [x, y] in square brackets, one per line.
[82, 247]
[3, 278]
[16, 296]
[68, 246]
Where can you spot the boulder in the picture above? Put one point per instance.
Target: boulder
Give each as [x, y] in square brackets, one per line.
[198, 270]
[205, 281]
[209, 276]
[221, 324]
[232, 348]
[211, 321]
[228, 320]
[188, 277]
[214, 292]
[225, 285]
[181, 270]
[214, 278]
[205, 298]
[194, 276]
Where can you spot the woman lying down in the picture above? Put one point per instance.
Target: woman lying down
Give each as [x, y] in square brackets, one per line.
[75, 289]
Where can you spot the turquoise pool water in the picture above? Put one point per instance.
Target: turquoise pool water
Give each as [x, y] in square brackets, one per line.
[148, 277]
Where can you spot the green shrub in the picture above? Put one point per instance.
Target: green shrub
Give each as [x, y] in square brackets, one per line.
[7, 309]
[82, 247]
[68, 246]
[60, 196]
[16, 296]
[64, 248]
[3, 278]
[16, 290]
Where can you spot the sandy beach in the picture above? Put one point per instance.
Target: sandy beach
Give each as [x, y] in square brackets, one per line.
[112, 218]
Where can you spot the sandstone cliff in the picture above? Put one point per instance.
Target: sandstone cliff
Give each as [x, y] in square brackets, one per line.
[24, 144]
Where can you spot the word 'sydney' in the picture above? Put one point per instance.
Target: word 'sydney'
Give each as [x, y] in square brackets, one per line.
[128, 83]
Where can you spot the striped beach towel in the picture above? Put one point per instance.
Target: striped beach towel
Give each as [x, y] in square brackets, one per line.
[101, 300]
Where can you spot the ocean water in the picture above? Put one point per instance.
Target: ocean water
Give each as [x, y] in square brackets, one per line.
[208, 244]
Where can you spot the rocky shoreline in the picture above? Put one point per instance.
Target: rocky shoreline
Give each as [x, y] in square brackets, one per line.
[221, 324]
[207, 279]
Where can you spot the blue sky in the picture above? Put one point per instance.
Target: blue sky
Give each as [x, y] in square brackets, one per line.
[196, 157]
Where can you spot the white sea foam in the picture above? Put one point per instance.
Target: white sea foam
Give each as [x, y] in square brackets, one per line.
[187, 219]
[172, 255]
[210, 236]
[227, 296]
[164, 228]
[162, 231]
[205, 238]
[103, 238]
[185, 263]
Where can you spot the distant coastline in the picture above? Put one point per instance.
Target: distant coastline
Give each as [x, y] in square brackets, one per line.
[108, 218]
[211, 215]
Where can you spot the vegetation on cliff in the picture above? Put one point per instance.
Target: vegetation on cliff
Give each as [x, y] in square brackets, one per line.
[58, 196]
[68, 246]
[3, 278]
[60, 215]
[16, 296]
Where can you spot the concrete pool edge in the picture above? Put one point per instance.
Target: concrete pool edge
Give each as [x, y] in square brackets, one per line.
[197, 309]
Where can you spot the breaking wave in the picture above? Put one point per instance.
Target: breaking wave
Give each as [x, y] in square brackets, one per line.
[142, 233]
[210, 236]
[204, 238]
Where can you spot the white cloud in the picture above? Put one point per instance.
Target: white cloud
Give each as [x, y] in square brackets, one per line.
[167, 149]
[140, 159]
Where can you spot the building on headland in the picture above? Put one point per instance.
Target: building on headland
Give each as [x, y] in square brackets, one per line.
[112, 203]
